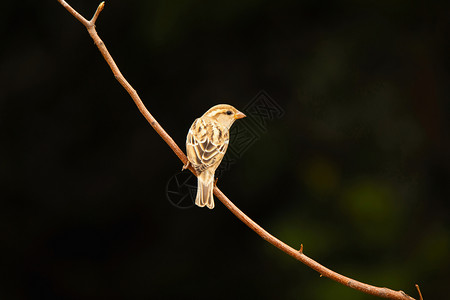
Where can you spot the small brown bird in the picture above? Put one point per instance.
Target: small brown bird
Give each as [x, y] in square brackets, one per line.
[206, 144]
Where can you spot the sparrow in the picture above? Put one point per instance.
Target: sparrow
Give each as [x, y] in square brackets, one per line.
[206, 144]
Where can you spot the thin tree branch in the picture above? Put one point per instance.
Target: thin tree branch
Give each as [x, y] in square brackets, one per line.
[297, 254]
[90, 26]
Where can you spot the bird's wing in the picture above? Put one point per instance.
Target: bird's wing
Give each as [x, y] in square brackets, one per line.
[206, 143]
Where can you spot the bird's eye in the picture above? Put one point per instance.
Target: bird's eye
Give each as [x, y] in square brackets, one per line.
[229, 112]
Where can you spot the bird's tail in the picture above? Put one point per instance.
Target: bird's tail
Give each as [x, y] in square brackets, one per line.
[205, 188]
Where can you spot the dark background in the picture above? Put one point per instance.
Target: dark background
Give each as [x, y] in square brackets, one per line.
[356, 169]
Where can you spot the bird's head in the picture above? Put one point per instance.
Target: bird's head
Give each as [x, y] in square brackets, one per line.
[224, 114]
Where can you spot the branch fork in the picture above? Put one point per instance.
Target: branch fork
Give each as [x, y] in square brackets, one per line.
[297, 254]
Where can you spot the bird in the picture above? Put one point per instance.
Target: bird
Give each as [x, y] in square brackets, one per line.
[206, 144]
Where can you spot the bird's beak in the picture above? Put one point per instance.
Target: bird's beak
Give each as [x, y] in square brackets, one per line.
[239, 115]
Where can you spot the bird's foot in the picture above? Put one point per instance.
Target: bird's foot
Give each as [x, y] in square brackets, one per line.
[185, 166]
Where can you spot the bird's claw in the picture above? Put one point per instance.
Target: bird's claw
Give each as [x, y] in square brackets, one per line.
[185, 166]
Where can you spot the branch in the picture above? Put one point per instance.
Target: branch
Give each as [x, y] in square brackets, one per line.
[297, 254]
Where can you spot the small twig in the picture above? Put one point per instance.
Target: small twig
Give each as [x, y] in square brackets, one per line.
[75, 13]
[420, 293]
[97, 12]
[297, 254]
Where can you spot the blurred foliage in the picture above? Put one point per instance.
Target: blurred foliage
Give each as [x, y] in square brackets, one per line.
[357, 168]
